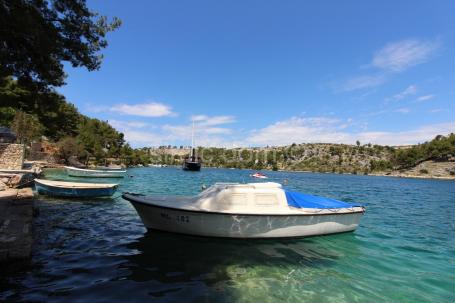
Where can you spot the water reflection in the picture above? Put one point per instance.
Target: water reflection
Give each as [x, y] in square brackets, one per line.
[213, 267]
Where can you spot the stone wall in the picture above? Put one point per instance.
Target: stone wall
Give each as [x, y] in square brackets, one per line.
[11, 156]
[16, 221]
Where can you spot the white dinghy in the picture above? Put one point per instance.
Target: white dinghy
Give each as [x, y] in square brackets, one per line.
[94, 173]
[74, 189]
[253, 210]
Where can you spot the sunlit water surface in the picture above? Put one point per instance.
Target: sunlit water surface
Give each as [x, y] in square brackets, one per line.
[98, 250]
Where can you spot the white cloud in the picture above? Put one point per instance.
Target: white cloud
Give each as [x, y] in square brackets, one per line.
[217, 130]
[394, 57]
[214, 120]
[121, 125]
[151, 109]
[204, 135]
[435, 110]
[362, 82]
[418, 135]
[302, 130]
[401, 55]
[403, 110]
[296, 129]
[184, 131]
[142, 138]
[207, 132]
[425, 98]
[409, 91]
[135, 134]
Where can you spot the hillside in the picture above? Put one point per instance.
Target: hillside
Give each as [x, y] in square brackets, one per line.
[427, 169]
[434, 159]
[303, 157]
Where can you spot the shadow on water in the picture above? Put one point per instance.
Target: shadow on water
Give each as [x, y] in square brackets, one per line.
[211, 267]
[168, 267]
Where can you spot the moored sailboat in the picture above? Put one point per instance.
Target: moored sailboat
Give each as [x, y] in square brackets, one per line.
[192, 162]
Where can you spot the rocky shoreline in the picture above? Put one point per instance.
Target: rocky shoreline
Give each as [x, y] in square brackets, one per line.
[383, 174]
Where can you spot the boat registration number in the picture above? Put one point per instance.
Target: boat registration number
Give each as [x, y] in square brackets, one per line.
[184, 219]
[178, 218]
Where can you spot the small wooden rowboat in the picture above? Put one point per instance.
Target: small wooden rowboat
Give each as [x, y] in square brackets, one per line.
[73, 189]
[94, 173]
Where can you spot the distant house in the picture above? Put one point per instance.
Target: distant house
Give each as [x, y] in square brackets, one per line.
[7, 135]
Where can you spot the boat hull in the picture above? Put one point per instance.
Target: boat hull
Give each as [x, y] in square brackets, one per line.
[94, 173]
[55, 191]
[192, 166]
[108, 168]
[210, 224]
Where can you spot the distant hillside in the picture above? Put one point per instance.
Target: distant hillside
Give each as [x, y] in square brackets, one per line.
[311, 157]
[336, 158]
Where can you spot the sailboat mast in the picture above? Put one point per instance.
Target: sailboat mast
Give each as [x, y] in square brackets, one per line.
[192, 140]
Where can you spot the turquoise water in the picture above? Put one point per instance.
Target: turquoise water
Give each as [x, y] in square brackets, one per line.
[98, 250]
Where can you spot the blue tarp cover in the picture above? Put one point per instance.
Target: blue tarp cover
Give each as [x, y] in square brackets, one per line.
[300, 200]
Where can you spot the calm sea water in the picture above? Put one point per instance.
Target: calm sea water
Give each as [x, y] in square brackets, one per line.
[98, 250]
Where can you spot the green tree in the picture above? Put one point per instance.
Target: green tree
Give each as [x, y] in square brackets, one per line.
[38, 35]
[26, 127]
[100, 139]
[6, 115]
[441, 148]
[126, 154]
[59, 118]
[69, 147]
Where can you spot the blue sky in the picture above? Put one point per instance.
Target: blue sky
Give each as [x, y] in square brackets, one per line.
[255, 73]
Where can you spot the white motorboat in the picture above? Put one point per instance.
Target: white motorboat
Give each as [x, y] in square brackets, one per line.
[259, 176]
[253, 210]
[116, 167]
[157, 165]
[94, 173]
